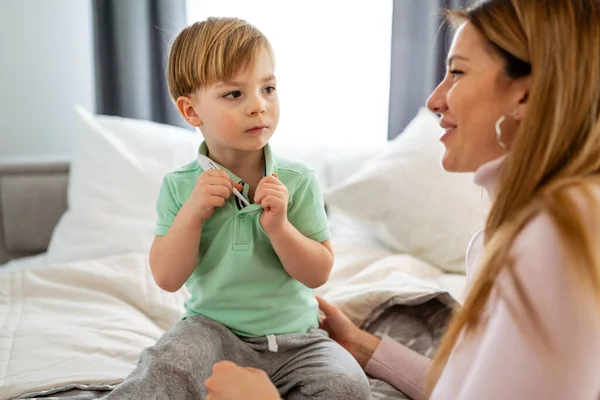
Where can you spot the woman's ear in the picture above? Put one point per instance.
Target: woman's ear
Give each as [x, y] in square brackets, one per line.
[522, 87]
[185, 105]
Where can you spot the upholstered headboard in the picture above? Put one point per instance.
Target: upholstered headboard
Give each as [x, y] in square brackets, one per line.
[33, 196]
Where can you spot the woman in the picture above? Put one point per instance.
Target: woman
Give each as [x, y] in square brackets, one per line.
[521, 106]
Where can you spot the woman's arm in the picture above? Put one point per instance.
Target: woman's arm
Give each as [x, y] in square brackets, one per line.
[399, 366]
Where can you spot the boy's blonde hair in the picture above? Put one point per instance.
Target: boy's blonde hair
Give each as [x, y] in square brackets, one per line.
[212, 51]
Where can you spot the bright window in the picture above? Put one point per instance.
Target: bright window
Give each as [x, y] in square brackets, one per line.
[333, 65]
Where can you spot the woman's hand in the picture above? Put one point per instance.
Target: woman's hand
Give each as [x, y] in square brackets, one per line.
[230, 382]
[357, 342]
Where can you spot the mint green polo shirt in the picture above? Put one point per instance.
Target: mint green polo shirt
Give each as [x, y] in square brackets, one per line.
[239, 280]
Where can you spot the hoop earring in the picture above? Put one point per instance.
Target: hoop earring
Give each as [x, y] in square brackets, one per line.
[499, 132]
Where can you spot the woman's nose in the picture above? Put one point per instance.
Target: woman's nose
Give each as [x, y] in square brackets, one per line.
[437, 99]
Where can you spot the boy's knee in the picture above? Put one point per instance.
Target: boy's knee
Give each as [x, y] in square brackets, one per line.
[348, 385]
[165, 360]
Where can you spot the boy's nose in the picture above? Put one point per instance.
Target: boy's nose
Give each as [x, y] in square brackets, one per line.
[257, 105]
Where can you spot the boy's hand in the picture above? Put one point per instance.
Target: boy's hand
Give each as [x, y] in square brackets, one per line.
[212, 189]
[273, 197]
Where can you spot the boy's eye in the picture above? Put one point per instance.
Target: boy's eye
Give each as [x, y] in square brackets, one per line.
[270, 89]
[233, 95]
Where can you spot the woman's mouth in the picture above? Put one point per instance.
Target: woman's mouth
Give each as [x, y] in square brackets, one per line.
[448, 129]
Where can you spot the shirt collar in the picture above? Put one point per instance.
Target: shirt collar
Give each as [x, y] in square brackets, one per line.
[487, 175]
[270, 164]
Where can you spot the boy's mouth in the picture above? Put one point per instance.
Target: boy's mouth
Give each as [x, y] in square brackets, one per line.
[257, 129]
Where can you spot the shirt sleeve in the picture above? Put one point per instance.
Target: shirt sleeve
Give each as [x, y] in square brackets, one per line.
[306, 209]
[512, 360]
[401, 367]
[166, 207]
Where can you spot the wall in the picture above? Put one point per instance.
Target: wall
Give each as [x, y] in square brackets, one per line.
[46, 66]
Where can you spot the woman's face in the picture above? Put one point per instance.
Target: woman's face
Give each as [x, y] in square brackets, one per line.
[474, 93]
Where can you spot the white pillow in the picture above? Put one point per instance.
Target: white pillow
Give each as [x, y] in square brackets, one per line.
[345, 162]
[413, 205]
[116, 171]
[313, 155]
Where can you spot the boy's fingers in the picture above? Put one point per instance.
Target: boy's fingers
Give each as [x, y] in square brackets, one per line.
[258, 195]
[217, 172]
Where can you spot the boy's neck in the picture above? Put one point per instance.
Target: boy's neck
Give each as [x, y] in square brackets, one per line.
[248, 165]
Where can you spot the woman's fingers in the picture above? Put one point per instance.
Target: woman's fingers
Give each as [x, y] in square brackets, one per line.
[325, 306]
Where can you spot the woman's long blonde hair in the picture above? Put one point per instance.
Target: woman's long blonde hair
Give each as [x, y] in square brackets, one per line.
[556, 151]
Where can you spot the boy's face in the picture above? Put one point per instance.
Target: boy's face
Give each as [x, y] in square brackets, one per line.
[241, 114]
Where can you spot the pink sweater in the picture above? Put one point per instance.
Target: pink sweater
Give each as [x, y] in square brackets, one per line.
[498, 361]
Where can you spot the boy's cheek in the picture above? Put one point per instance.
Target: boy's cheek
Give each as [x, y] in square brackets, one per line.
[229, 124]
[222, 125]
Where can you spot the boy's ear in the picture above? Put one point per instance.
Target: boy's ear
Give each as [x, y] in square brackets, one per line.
[185, 105]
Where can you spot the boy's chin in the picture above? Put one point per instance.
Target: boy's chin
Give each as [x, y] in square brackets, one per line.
[252, 143]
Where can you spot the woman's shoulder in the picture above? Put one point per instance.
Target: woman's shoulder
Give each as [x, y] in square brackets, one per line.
[545, 235]
[544, 262]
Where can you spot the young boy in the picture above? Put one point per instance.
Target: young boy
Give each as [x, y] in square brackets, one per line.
[250, 269]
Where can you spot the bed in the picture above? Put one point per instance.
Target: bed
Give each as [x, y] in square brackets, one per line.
[77, 300]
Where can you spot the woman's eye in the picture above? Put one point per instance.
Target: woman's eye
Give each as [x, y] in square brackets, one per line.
[233, 95]
[455, 73]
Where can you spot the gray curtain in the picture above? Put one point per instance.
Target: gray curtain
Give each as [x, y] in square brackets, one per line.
[132, 40]
[419, 47]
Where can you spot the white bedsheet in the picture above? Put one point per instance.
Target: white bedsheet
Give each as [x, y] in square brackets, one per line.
[365, 277]
[39, 260]
[366, 272]
[82, 322]
[87, 322]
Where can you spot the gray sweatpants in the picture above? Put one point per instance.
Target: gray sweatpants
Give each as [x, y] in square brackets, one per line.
[304, 366]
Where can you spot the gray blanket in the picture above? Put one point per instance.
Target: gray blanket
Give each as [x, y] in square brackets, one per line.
[419, 327]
